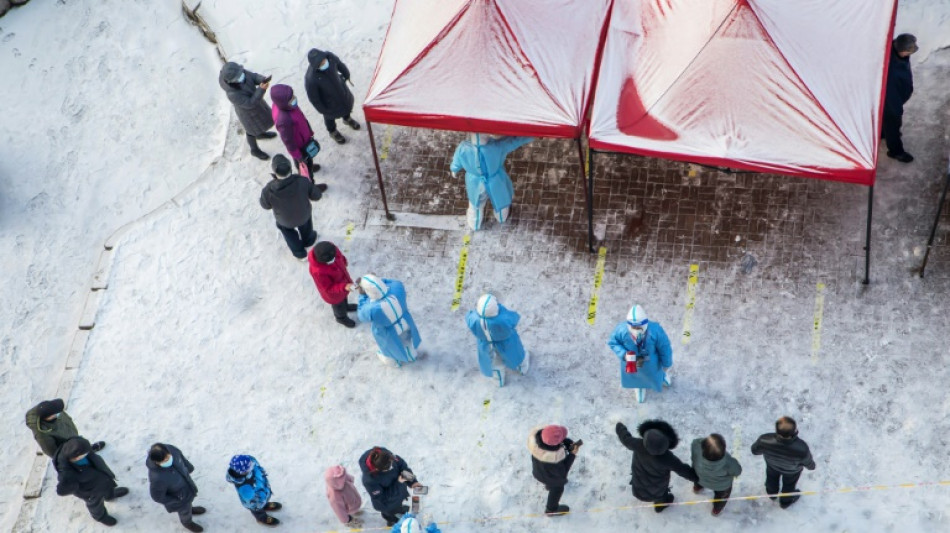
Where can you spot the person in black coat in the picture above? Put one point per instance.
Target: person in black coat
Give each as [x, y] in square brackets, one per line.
[245, 89]
[785, 457]
[170, 483]
[653, 461]
[289, 195]
[83, 474]
[900, 86]
[325, 83]
[387, 478]
[552, 455]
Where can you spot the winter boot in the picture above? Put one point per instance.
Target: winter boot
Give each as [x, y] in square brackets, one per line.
[273, 506]
[198, 510]
[525, 363]
[260, 154]
[346, 321]
[117, 493]
[561, 510]
[697, 488]
[108, 520]
[267, 135]
[98, 446]
[338, 137]
[191, 526]
[269, 521]
[641, 395]
[903, 157]
[354, 523]
[351, 308]
[322, 187]
[662, 506]
[788, 501]
[352, 123]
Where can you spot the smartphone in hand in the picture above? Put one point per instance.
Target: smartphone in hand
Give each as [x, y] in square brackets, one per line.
[267, 79]
[421, 489]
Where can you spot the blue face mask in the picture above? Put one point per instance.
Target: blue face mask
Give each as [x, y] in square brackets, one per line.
[241, 78]
[82, 462]
[167, 463]
[325, 65]
[294, 102]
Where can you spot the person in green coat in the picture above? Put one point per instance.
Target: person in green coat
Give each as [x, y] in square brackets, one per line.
[51, 426]
[715, 468]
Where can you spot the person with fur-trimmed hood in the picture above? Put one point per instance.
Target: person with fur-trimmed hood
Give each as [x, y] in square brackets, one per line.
[644, 351]
[382, 303]
[51, 426]
[387, 478]
[482, 157]
[83, 474]
[715, 468]
[653, 461]
[785, 457]
[552, 455]
[494, 327]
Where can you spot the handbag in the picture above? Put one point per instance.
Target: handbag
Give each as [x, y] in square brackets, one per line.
[312, 148]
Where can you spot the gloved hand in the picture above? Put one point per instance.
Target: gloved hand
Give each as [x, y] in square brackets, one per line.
[455, 174]
[407, 476]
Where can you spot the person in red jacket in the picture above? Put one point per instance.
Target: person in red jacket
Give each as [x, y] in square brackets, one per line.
[328, 269]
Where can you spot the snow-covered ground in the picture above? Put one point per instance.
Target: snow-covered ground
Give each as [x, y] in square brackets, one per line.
[213, 338]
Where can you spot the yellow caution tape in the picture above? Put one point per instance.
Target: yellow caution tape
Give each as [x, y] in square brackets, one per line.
[598, 281]
[349, 235]
[816, 323]
[460, 279]
[690, 301]
[387, 141]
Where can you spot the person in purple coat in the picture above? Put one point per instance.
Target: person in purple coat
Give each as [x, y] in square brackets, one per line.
[294, 129]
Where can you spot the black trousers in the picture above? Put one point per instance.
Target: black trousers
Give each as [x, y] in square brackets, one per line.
[554, 498]
[788, 481]
[340, 309]
[891, 129]
[97, 507]
[299, 238]
[662, 503]
[330, 123]
[717, 495]
[184, 514]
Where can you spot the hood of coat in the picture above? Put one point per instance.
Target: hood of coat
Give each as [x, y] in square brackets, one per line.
[541, 451]
[281, 95]
[316, 57]
[335, 476]
[665, 430]
[374, 287]
[230, 72]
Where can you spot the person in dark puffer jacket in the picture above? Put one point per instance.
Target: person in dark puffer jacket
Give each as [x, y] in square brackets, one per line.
[51, 426]
[325, 83]
[899, 88]
[83, 474]
[245, 89]
[289, 195]
[653, 461]
[715, 468]
[552, 455]
[785, 457]
[387, 478]
[170, 483]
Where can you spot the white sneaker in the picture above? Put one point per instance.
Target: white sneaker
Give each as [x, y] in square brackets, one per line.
[388, 361]
[525, 363]
[667, 379]
[641, 395]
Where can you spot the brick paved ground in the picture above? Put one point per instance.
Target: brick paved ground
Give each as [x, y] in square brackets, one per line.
[655, 212]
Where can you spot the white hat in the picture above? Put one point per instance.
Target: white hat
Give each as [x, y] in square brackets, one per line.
[373, 287]
[411, 525]
[637, 317]
[487, 306]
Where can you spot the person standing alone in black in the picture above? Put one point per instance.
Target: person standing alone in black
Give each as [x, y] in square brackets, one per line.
[900, 85]
[325, 82]
[785, 456]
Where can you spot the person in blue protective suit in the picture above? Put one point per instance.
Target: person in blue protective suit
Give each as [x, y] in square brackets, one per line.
[482, 157]
[494, 327]
[382, 303]
[644, 351]
[410, 524]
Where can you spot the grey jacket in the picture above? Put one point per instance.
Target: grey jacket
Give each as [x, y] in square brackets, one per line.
[248, 99]
[787, 456]
[290, 199]
[714, 475]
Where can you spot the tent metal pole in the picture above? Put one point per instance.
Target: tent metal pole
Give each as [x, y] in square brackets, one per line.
[933, 231]
[590, 200]
[867, 241]
[581, 161]
[379, 173]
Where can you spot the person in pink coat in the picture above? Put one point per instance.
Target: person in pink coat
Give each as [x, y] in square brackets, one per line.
[343, 496]
[294, 129]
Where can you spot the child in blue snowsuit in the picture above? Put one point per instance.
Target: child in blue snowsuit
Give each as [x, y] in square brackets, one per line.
[482, 157]
[253, 488]
[644, 342]
[494, 327]
[382, 303]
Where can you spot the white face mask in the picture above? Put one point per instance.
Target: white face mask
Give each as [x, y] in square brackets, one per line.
[293, 102]
[325, 65]
[637, 333]
[168, 462]
[330, 262]
[241, 78]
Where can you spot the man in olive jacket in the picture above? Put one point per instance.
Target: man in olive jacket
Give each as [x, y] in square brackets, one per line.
[785, 457]
[170, 483]
[83, 474]
[51, 426]
[653, 461]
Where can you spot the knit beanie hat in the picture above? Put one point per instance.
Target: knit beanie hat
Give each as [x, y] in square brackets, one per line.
[242, 464]
[553, 435]
[656, 442]
[281, 165]
[75, 447]
[50, 407]
[324, 252]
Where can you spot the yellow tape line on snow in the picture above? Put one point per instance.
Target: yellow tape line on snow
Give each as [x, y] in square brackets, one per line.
[598, 281]
[349, 235]
[690, 302]
[460, 279]
[816, 324]
[387, 141]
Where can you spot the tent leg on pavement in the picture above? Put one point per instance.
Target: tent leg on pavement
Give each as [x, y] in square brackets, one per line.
[379, 173]
[590, 200]
[867, 240]
[933, 230]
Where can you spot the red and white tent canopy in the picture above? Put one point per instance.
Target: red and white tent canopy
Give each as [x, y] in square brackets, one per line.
[515, 67]
[790, 87]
